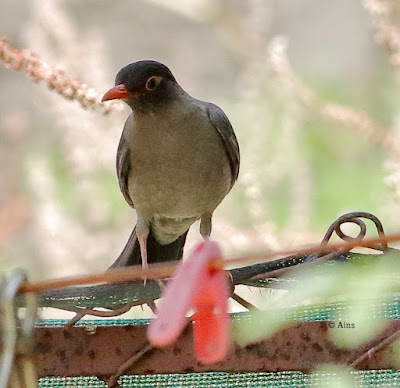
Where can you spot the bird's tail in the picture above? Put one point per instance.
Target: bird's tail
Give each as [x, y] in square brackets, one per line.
[156, 253]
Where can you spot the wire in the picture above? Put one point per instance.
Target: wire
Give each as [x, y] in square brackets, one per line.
[162, 270]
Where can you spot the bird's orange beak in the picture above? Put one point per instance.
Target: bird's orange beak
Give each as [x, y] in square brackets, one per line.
[118, 92]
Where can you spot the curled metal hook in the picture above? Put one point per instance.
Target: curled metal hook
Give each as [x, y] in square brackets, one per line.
[354, 217]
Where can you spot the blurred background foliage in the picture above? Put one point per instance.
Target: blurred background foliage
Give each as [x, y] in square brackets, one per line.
[61, 211]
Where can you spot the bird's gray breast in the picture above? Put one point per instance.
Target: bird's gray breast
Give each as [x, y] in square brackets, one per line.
[179, 166]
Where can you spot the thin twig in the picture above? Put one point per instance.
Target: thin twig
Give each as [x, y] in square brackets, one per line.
[371, 352]
[112, 380]
[81, 312]
[55, 79]
[243, 302]
[78, 316]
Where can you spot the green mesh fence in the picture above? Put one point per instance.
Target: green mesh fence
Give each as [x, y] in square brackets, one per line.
[379, 379]
[389, 309]
[386, 308]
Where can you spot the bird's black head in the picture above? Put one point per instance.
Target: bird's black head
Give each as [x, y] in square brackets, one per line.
[143, 84]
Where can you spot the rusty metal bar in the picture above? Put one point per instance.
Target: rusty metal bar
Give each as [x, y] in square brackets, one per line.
[84, 351]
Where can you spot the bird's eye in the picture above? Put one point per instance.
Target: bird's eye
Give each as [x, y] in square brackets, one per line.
[153, 82]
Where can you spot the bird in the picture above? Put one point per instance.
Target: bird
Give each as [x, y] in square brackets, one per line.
[178, 157]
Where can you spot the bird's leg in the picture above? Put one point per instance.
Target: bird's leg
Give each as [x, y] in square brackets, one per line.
[143, 253]
[143, 250]
[142, 232]
[205, 225]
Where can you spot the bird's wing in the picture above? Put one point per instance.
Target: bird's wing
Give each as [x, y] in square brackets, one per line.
[225, 130]
[123, 168]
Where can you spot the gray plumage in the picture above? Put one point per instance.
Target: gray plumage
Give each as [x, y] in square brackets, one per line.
[177, 159]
